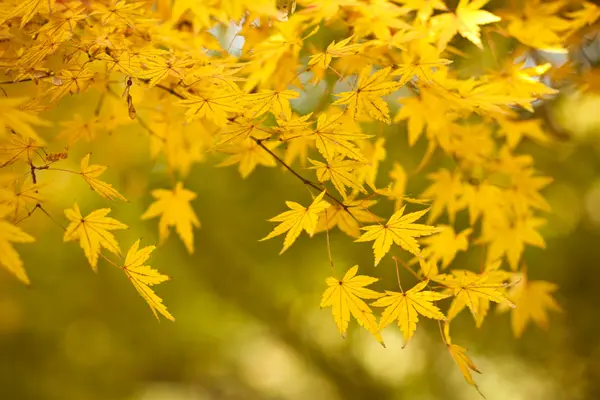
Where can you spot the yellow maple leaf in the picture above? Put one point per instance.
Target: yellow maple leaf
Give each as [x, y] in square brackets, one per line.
[366, 99]
[275, 101]
[471, 290]
[444, 245]
[334, 50]
[16, 148]
[340, 172]
[173, 207]
[214, 105]
[424, 8]
[27, 10]
[347, 221]
[297, 219]
[13, 118]
[400, 230]
[90, 174]
[335, 135]
[406, 307]
[93, 232]
[445, 190]
[466, 21]
[143, 276]
[508, 236]
[9, 258]
[533, 300]
[248, 154]
[463, 361]
[345, 298]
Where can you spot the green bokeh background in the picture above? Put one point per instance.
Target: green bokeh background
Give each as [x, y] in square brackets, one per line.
[248, 321]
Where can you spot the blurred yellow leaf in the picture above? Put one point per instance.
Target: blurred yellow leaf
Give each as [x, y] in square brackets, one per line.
[174, 209]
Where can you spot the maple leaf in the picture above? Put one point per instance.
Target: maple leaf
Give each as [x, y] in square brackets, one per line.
[365, 99]
[334, 135]
[419, 61]
[400, 230]
[90, 174]
[345, 298]
[75, 79]
[406, 307]
[27, 10]
[340, 172]
[334, 50]
[93, 232]
[274, 101]
[459, 355]
[466, 21]
[9, 258]
[533, 300]
[14, 118]
[297, 219]
[143, 276]
[347, 220]
[446, 192]
[537, 25]
[248, 154]
[508, 236]
[470, 290]
[215, 106]
[444, 245]
[16, 148]
[424, 8]
[173, 207]
[397, 188]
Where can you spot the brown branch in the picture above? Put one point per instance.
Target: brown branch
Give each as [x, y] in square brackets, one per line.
[307, 182]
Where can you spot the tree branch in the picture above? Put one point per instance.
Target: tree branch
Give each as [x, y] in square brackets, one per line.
[307, 182]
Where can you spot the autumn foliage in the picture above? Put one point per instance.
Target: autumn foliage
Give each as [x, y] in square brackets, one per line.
[231, 100]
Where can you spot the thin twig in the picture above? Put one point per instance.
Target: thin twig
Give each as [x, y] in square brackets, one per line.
[398, 273]
[328, 243]
[307, 182]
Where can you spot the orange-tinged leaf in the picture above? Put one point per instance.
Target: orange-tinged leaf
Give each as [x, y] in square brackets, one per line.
[93, 232]
[297, 219]
[91, 173]
[345, 298]
[399, 229]
[143, 276]
[174, 209]
[406, 307]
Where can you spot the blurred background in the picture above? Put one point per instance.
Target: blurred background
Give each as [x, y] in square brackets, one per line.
[248, 323]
